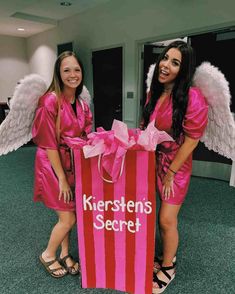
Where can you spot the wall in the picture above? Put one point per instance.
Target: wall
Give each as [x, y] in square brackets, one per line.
[129, 23]
[43, 53]
[13, 64]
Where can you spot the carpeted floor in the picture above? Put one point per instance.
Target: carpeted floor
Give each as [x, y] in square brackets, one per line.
[206, 256]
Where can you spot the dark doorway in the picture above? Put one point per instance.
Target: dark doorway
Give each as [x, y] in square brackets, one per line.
[107, 83]
[219, 52]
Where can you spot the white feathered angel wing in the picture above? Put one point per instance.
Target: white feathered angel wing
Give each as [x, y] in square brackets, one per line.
[15, 130]
[150, 76]
[220, 131]
[85, 95]
[219, 135]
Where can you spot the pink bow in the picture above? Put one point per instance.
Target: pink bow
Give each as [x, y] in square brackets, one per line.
[113, 144]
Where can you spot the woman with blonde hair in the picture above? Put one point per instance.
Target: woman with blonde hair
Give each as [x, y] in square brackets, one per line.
[61, 114]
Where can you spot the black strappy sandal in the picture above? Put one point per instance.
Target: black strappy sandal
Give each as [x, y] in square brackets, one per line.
[158, 285]
[158, 263]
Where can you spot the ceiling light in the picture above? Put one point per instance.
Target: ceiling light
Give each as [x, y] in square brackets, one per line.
[65, 3]
[20, 29]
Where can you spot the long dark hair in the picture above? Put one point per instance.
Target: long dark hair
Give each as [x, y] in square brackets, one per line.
[180, 89]
[57, 84]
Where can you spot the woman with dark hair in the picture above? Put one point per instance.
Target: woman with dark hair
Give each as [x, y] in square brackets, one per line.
[61, 114]
[181, 111]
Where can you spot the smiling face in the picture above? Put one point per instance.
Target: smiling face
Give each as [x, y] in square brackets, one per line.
[169, 67]
[70, 73]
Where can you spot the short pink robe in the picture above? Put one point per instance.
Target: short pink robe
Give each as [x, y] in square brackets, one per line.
[46, 188]
[194, 125]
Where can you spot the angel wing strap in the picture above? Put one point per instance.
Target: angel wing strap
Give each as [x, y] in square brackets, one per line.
[57, 125]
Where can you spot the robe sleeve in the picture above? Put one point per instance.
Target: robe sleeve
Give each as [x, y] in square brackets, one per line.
[196, 116]
[44, 125]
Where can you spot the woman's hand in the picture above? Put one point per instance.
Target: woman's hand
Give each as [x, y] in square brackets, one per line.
[65, 190]
[181, 156]
[168, 187]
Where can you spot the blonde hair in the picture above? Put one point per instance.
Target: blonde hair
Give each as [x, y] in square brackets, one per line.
[56, 85]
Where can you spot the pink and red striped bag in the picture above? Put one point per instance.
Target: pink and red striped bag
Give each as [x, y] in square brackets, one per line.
[116, 222]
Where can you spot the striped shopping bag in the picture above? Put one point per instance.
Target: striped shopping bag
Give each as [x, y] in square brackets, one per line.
[116, 222]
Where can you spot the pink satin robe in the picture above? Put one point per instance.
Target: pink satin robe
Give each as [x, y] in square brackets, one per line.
[194, 125]
[46, 188]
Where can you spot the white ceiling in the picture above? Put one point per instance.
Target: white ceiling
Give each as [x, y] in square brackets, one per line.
[36, 16]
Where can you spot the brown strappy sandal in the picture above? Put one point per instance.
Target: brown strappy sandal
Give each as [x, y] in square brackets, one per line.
[71, 269]
[47, 265]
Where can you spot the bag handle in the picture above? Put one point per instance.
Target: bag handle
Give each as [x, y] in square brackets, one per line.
[120, 173]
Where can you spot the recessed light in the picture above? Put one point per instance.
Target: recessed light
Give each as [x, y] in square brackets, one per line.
[20, 29]
[65, 3]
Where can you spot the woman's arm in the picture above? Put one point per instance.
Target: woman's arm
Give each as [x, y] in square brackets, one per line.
[183, 153]
[64, 187]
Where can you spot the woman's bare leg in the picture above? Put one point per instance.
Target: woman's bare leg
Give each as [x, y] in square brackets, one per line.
[65, 252]
[66, 221]
[168, 219]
